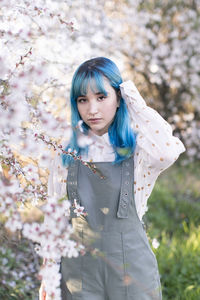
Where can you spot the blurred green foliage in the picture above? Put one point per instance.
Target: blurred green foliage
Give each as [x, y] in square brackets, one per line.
[174, 220]
[18, 269]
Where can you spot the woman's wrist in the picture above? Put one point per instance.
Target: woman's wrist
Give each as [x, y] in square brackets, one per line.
[131, 94]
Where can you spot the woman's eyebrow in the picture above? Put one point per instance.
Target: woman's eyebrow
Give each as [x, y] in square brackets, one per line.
[97, 93]
[102, 93]
[82, 96]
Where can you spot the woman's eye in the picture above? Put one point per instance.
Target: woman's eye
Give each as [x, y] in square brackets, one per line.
[81, 100]
[102, 97]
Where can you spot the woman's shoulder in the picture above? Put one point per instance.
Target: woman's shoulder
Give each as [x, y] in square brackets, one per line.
[56, 165]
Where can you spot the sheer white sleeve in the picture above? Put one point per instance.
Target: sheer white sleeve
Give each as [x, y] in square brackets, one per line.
[154, 133]
[57, 178]
[156, 147]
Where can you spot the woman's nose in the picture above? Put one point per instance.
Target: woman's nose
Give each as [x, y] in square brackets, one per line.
[93, 108]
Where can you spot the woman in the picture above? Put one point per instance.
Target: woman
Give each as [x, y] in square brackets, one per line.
[129, 144]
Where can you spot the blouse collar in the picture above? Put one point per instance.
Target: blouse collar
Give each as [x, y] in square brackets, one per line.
[100, 139]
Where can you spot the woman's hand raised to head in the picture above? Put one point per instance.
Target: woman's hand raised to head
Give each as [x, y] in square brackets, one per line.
[42, 292]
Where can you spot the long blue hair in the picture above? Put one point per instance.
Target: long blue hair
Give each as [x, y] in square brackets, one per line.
[120, 133]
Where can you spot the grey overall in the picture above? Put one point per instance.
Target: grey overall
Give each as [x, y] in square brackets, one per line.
[119, 263]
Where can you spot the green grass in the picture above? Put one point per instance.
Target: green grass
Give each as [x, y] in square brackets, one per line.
[173, 219]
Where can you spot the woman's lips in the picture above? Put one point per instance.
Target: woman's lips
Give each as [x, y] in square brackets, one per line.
[96, 120]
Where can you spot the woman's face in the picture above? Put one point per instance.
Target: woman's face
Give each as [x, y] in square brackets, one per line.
[98, 110]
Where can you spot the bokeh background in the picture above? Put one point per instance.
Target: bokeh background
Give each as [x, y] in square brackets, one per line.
[157, 45]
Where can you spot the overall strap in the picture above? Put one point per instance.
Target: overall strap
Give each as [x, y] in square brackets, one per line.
[126, 193]
[72, 190]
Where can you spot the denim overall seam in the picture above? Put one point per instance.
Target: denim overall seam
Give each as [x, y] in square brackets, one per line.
[124, 264]
[81, 266]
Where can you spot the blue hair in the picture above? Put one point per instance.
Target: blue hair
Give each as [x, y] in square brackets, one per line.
[120, 133]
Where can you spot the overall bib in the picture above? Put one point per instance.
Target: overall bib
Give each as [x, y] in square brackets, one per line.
[119, 263]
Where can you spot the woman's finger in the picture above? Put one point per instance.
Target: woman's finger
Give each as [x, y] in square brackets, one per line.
[42, 293]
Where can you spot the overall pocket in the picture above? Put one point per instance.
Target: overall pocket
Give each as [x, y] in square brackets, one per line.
[71, 273]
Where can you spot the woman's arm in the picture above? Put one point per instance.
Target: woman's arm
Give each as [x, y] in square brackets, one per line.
[57, 178]
[156, 147]
[154, 133]
[56, 186]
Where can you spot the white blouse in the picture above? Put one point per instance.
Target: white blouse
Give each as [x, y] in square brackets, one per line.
[156, 149]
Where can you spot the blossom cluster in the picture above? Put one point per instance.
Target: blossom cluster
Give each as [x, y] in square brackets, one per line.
[166, 42]
[53, 242]
[29, 132]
